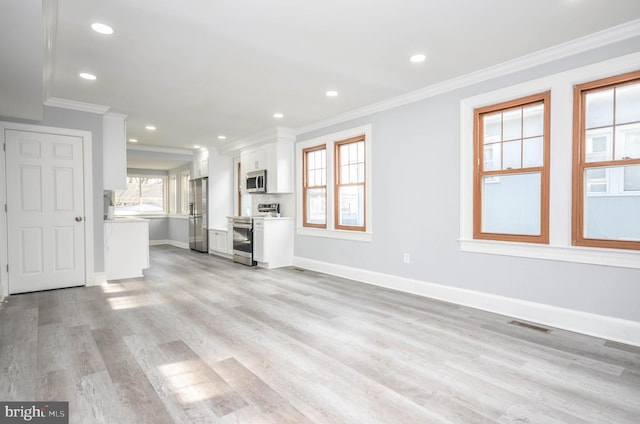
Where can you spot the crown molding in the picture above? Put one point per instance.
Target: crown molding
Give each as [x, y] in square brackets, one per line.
[263, 137]
[589, 42]
[75, 105]
[158, 149]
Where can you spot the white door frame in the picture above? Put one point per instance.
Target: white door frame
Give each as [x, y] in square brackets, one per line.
[88, 198]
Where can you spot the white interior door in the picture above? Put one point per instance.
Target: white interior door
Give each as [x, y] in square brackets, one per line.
[45, 211]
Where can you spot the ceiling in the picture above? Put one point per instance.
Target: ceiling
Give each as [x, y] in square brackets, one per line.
[198, 69]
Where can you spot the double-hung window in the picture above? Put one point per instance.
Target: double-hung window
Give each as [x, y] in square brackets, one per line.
[334, 174]
[606, 196]
[314, 190]
[350, 184]
[184, 192]
[511, 178]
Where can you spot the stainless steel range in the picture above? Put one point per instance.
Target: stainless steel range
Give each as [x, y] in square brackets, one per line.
[243, 240]
[243, 233]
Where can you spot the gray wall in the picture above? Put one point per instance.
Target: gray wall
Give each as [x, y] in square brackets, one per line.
[420, 142]
[169, 228]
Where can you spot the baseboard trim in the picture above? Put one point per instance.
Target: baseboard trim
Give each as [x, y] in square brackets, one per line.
[174, 243]
[610, 328]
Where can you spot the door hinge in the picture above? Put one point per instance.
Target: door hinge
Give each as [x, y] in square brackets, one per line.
[7, 267]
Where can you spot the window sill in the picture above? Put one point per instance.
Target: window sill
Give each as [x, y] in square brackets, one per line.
[585, 255]
[335, 234]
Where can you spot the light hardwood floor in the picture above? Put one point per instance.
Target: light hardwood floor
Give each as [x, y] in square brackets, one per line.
[200, 339]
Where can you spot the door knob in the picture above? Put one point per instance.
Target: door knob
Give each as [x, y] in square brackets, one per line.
[78, 218]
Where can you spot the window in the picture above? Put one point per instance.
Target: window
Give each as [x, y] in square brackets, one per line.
[184, 192]
[606, 202]
[144, 194]
[173, 194]
[350, 184]
[511, 178]
[314, 189]
[334, 178]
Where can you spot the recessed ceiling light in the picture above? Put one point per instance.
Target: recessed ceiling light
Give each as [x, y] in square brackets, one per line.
[133, 140]
[417, 58]
[87, 76]
[102, 28]
[331, 93]
[196, 146]
[222, 137]
[278, 115]
[150, 127]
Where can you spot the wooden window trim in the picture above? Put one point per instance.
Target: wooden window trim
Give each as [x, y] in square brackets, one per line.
[579, 160]
[337, 185]
[305, 187]
[543, 237]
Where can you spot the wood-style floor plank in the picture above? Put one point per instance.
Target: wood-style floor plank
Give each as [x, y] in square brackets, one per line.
[201, 339]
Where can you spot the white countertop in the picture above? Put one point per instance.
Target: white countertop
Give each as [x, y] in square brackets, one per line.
[126, 220]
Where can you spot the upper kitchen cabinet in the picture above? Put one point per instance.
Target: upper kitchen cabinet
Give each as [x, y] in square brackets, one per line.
[114, 151]
[276, 157]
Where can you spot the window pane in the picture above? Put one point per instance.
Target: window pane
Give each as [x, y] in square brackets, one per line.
[596, 180]
[492, 157]
[353, 173]
[512, 124]
[353, 152]
[317, 206]
[344, 154]
[511, 204]
[599, 109]
[143, 194]
[632, 180]
[628, 141]
[533, 121]
[351, 206]
[512, 154]
[628, 104]
[492, 127]
[344, 174]
[613, 216]
[533, 152]
[598, 145]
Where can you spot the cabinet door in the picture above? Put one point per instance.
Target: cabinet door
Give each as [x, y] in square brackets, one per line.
[258, 241]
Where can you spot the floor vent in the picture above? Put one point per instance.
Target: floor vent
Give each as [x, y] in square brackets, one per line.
[530, 326]
[298, 269]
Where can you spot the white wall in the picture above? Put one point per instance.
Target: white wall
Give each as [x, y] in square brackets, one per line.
[416, 210]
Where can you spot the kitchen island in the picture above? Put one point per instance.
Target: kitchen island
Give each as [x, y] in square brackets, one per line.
[126, 247]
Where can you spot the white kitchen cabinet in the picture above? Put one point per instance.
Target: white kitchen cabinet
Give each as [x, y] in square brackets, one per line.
[277, 159]
[114, 151]
[218, 242]
[254, 159]
[126, 247]
[273, 241]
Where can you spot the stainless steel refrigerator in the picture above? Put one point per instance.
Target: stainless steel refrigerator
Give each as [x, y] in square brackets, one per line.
[198, 232]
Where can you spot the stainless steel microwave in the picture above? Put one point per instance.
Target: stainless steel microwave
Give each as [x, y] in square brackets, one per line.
[257, 181]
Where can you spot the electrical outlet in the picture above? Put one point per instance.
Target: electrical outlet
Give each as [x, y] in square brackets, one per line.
[406, 259]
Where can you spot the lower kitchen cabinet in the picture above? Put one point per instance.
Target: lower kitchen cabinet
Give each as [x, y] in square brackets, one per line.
[273, 241]
[126, 247]
[218, 242]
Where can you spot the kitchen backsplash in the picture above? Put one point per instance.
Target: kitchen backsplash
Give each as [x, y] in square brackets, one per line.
[287, 203]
